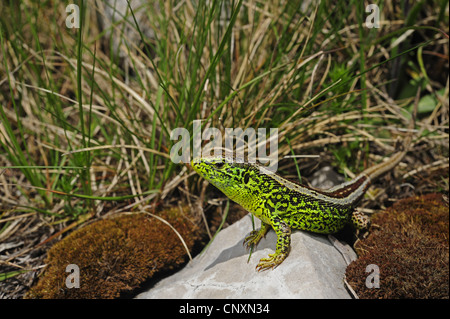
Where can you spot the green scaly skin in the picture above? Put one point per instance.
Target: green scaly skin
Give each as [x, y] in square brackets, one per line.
[283, 204]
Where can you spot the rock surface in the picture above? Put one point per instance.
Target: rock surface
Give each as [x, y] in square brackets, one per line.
[313, 269]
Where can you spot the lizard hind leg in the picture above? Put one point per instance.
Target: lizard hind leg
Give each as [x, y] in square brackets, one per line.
[360, 220]
[362, 224]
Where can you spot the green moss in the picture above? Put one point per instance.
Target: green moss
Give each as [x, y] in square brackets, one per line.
[116, 255]
[410, 245]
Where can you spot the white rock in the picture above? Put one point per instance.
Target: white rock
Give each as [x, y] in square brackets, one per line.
[313, 269]
[116, 18]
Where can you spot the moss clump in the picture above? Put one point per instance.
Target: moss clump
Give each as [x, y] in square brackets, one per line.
[411, 249]
[116, 255]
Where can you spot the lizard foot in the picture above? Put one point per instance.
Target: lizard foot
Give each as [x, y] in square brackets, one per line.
[272, 262]
[255, 236]
[253, 239]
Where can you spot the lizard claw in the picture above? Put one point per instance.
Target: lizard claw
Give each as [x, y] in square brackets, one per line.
[252, 239]
[272, 262]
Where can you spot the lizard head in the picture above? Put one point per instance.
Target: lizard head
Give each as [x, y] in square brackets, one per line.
[233, 177]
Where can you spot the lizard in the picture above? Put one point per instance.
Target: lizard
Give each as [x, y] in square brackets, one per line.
[283, 204]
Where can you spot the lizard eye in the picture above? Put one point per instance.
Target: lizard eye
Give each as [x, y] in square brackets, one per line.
[219, 165]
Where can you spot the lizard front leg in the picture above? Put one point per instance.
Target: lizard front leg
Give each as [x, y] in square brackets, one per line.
[283, 232]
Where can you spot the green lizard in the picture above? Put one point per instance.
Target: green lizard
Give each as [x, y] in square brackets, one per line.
[283, 204]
